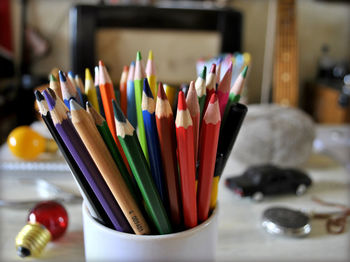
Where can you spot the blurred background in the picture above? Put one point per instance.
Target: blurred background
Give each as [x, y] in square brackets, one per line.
[36, 36]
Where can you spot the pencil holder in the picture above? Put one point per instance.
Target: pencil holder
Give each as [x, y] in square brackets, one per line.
[105, 244]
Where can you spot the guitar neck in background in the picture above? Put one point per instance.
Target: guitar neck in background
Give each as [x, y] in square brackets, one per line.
[285, 75]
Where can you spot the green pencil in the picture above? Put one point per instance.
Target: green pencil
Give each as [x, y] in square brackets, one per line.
[235, 92]
[139, 75]
[140, 168]
[201, 89]
[106, 134]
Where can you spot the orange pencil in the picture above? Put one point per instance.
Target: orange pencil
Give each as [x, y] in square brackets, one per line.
[207, 154]
[122, 88]
[193, 107]
[107, 94]
[184, 136]
[167, 142]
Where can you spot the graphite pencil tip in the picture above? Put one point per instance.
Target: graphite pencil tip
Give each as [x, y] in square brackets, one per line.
[181, 105]
[118, 113]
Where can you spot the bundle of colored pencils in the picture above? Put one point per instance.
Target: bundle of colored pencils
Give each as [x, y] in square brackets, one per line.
[140, 169]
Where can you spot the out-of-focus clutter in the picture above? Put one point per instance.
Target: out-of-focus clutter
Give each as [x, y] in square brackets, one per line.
[275, 134]
[47, 221]
[27, 144]
[264, 180]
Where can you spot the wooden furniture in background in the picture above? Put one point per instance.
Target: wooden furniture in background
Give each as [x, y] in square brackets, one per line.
[285, 75]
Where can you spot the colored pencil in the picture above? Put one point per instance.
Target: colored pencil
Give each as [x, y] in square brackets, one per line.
[92, 202]
[171, 93]
[184, 136]
[210, 85]
[107, 95]
[209, 137]
[90, 90]
[74, 85]
[223, 90]
[148, 109]
[193, 107]
[80, 85]
[68, 91]
[235, 92]
[55, 86]
[218, 71]
[85, 163]
[139, 76]
[167, 141]
[98, 92]
[140, 169]
[228, 134]
[131, 108]
[122, 88]
[201, 89]
[104, 131]
[99, 152]
[151, 74]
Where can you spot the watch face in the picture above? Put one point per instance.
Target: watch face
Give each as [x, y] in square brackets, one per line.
[284, 221]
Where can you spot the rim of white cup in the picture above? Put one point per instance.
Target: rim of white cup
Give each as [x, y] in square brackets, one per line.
[134, 237]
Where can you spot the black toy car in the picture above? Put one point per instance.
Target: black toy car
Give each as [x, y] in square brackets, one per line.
[258, 181]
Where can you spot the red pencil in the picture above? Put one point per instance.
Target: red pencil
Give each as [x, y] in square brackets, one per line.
[193, 107]
[210, 84]
[184, 135]
[107, 94]
[122, 88]
[167, 141]
[223, 90]
[207, 154]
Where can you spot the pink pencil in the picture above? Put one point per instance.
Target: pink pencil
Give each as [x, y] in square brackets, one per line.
[223, 90]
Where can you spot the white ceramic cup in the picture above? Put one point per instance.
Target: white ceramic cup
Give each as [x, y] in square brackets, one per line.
[105, 244]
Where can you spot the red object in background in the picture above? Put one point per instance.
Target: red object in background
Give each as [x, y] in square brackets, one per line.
[5, 27]
[52, 215]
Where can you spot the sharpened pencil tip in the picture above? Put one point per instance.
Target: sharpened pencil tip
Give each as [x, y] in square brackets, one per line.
[73, 105]
[50, 101]
[70, 74]
[100, 63]
[88, 74]
[39, 97]
[146, 88]
[203, 73]
[125, 69]
[181, 105]
[53, 78]
[138, 56]
[161, 93]
[88, 105]
[213, 68]
[62, 76]
[118, 113]
[244, 72]
[150, 55]
[213, 99]
[52, 93]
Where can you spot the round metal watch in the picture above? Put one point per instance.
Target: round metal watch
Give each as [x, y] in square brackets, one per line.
[285, 221]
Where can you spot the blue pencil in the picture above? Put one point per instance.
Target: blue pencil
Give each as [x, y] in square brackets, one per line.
[148, 109]
[130, 93]
[68, 90]
[75, 85]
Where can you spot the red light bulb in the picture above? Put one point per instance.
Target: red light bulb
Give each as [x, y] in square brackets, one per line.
[47, 221]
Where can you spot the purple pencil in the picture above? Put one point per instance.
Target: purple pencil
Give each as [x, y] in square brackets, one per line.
[80, 154]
